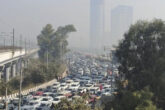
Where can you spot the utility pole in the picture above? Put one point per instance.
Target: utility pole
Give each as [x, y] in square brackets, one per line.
[20, 43]
[13, 43]
[47, 59]
[25, 47]
[4, 42]
[6, 97]
[20, 89]
[29, 44]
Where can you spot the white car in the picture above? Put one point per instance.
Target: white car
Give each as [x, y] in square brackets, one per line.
[107, 92]
[82, 89]
[74, 86]
[44, 106]
[94, 90]
[76, 82]
[31, 106]
[63, 86]
[98, 79]
[16, 100]
[80, 71]
[46, 100]
[88, 86]
[106, 86]
[56, 85]
[46, 94]
[35, 99]
[56, 100]
[61, 94]
[86, 79]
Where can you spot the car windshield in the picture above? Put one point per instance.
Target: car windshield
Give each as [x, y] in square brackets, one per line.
[56, 99]
[74, 85]
[45, 99]
[107, 90]
[80, 89]
[42, 105]
[88, 85]
[92, 89]
[31, 103]
[35, 98]
[59, 94]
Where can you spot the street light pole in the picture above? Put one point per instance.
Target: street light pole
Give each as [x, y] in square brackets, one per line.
[13, 42]
[47, 59]
[4, 42]
[20, 89]
[6, 97]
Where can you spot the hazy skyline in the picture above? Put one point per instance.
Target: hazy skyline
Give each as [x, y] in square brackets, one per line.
[121, 19]
[96, 24]
[29, 16]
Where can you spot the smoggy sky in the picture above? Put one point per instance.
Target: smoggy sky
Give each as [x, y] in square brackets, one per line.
[29, 16]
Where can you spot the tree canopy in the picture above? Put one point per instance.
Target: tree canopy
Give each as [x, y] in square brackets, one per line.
[54, 43]
[76, 104]
[141, 55]
[137, 100]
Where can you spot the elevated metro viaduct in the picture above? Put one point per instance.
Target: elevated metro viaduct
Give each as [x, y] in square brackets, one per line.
[11, 62]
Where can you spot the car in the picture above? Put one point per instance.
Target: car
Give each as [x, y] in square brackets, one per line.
[80, 71]
[60, 94]
[46, 100]
[74, 86]
[69, 82]
[63, 86]
[86, 79]
[44, 106]
[2, 106]
[38, 93]
[16, 101]
[88, 86]
[36, 99]
[97, 79]
[56, 85]
[107, 92]
[31, 106]
[94, 90]
[106, 86]
[82, 90]
[47, 94]
[56, 100]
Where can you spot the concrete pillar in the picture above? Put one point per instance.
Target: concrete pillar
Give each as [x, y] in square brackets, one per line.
[1, 72]
[13, 70]
[7, 73]
[1, 75]
[22, 64]
[26, 63]
[18, 67]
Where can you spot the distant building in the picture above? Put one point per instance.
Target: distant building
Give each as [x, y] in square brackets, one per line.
[121, 19]
[96, 24]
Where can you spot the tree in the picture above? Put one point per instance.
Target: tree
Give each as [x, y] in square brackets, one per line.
[141, 55]
[44, 40]
[54, 43]
[77, 104]
[138, 100]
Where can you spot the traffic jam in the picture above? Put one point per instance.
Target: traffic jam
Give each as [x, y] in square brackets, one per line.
[85, 75]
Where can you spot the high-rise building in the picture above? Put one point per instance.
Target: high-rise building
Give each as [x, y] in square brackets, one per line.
[121, 19]
[96, 24]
